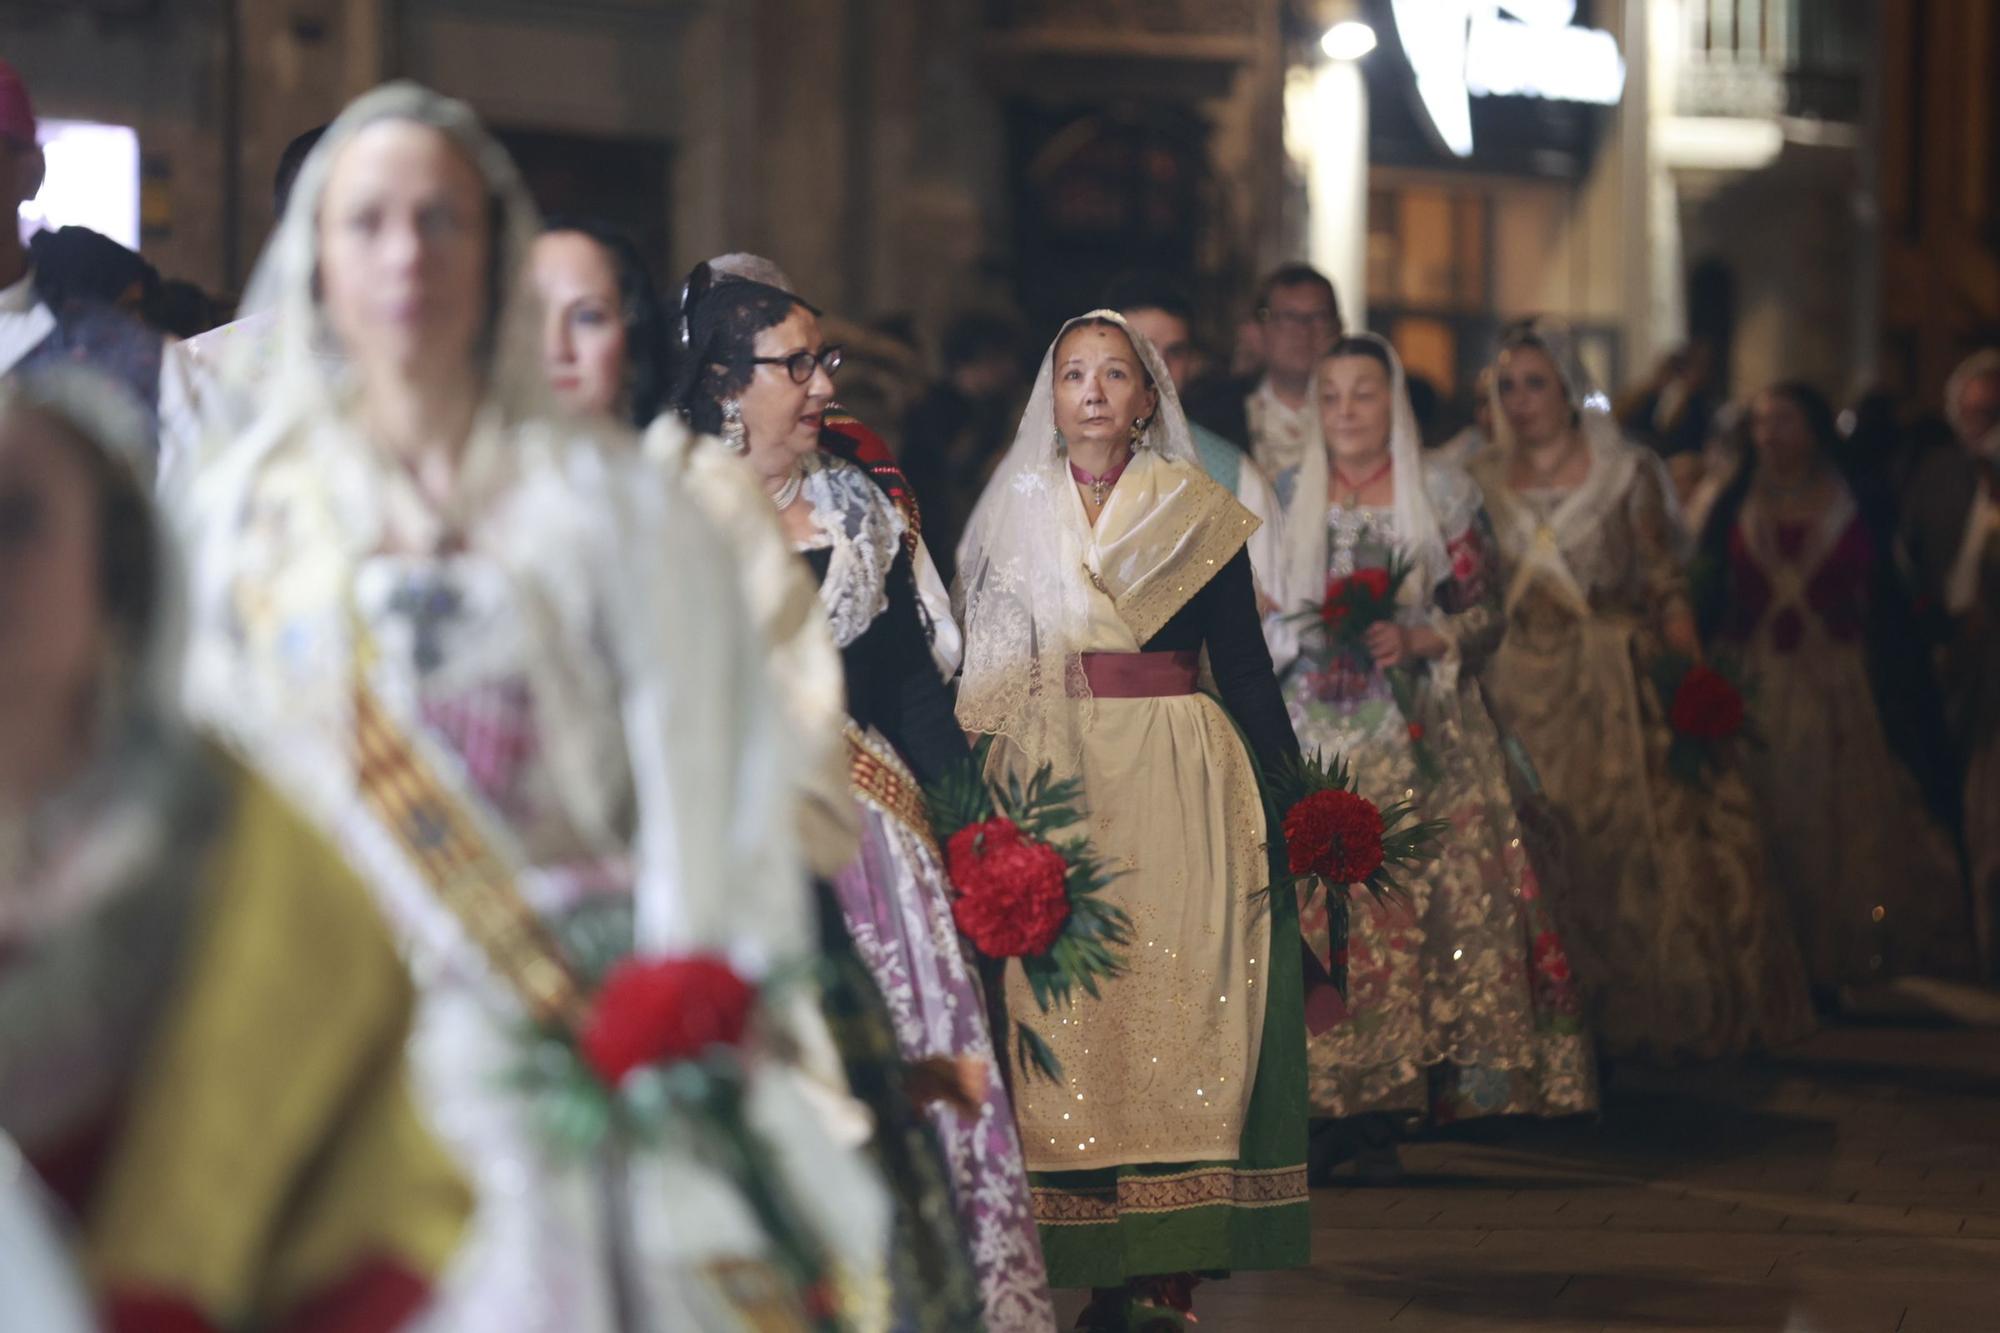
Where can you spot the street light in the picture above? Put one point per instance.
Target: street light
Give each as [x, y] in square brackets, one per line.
[1349, 40]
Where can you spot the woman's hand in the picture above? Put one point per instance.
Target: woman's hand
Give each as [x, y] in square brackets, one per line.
[1681, 636]
[1398, 645]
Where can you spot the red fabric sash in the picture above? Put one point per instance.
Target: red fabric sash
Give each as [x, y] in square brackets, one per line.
[1141, 675]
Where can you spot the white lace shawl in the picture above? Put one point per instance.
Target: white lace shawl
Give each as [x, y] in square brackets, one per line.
[1434, 502]
[1022, 594]
[863, 533]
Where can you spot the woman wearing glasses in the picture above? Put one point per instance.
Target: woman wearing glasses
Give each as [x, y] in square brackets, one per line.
[756, 372]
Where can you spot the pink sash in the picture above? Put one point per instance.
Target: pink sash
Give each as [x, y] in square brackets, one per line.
[1141, 675]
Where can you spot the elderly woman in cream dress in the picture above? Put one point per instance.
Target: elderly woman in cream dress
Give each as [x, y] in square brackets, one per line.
[1101, 574]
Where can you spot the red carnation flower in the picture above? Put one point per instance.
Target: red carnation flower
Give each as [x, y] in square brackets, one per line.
[1375, 582]
[1335, 835]
[1013, 891]
[663, 1010]
[1333, 607]
[1706, 706]
[1550, 960]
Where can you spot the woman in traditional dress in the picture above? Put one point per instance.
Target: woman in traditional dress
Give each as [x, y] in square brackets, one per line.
[602, 322]
[756, 373]
[1460, 1000]
[1099, 566]
[605, 338]
[1797, 595]
[202, 1016]
[531, 643]
[1681, 940]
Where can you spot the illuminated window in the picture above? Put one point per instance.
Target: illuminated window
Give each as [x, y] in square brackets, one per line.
[92, 181]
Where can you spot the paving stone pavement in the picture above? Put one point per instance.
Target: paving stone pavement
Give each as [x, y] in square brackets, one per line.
[1851, 1185]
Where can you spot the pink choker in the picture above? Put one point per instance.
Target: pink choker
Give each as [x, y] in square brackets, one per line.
[1100, 486]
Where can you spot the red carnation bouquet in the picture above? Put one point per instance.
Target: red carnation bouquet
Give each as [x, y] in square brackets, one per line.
[662, 1053]
[662, 1011]
[1353, 605]
[1705, 711]
[1336, 839]
[1026, 888]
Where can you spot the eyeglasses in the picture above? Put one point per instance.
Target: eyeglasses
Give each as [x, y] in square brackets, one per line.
[800, 365]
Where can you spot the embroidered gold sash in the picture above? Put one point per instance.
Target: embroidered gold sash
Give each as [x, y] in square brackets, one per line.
[879, 778]
[460, 865]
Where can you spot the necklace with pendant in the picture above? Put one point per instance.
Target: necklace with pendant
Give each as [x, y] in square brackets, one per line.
[1354, 488]
[1100, 486]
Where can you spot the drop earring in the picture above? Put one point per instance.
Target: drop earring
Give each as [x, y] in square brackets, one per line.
[733, 438]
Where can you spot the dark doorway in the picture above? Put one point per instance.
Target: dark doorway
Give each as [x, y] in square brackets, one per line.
[622, 181]
[1098, 191]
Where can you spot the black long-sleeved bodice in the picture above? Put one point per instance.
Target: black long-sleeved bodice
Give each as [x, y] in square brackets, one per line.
[892, 683]
[1223, 618]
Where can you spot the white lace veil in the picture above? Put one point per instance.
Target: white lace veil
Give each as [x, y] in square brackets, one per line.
[715, 864]
[1591, 404]
[298, 375]
[1419, 525]
[138, 764]
[148, 681]
[1613, 458]
[1021, 593]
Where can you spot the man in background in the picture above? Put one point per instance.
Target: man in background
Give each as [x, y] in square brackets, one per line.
[957, 431]
[1299, 313]
[41, 328]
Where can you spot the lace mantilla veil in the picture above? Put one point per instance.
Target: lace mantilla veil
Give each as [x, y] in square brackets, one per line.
[1023, 592]
[306, 403]
[715, 863]
[1613, 458]
[1433, 501]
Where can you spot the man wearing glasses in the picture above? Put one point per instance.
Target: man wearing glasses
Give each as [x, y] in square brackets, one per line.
[1300, 315]
[1298, 322]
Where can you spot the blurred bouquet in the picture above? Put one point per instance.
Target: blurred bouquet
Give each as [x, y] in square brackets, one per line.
[1705, 711]
[1354, 604]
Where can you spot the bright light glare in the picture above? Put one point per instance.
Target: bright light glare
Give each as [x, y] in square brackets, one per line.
[1348, 41]
[92, 181]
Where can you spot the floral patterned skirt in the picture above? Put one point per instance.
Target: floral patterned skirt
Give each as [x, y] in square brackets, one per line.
[1460, 1000]
[1682, 942]
[897, 907]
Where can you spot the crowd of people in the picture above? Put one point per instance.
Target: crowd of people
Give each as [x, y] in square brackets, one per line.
[473, 680]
